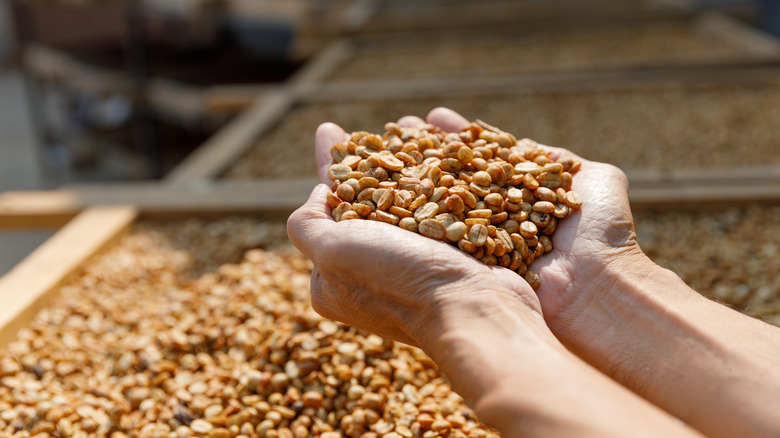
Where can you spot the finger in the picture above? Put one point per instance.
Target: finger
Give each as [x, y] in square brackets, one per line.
[305, 226]
[410, 121]
[447, 119]
[328, 134]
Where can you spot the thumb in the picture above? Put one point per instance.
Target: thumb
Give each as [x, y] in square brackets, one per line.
[305, 226]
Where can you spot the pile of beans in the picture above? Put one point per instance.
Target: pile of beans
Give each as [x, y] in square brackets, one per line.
[654, 127]
[463, 53]
[494, 197]
[176, 331]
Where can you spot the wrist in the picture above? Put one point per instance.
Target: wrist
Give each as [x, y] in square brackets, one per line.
[489, 336]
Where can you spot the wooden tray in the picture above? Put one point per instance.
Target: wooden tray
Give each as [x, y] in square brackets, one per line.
[705, 40]
[662, 121]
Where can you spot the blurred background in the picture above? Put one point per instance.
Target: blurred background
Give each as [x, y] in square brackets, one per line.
[97, 91]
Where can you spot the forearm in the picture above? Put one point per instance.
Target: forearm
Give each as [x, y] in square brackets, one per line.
[712, 367]
[523, 382]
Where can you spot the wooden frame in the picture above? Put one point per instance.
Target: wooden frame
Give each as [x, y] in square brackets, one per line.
[507, 12]
[53, 209]
[29, 287]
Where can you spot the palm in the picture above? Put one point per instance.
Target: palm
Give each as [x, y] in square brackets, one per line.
[602, 228]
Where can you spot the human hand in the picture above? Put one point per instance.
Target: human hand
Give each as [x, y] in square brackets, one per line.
[384, 279]
[588, 240]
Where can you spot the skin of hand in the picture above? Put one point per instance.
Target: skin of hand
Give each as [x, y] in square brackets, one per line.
[482, 325]
[601, 296]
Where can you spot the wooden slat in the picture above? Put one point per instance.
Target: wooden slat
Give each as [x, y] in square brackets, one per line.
[411, 16]
[51, 209]
[30, 285]
[552, 82]
[226, 147]
[229, 143]
[692, 189]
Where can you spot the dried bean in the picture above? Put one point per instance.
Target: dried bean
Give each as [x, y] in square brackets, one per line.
[494, 197]
[432, 228]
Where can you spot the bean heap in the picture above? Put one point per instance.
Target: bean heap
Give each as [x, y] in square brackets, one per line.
[496, 198]
[172, 333]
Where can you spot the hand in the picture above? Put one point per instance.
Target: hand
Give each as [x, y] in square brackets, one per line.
[586, 242]
[390, 281]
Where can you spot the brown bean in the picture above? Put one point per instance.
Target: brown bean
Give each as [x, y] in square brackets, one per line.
[340, 209]
[332, 199]
[499, 217]
[400, 212]
[409, 224]
[494, 199]
[539, 219]
[561, 211]
[452, 165]
[385, 199]
[478, 234]
[417, 203]
[345, 192]
[432, 228]
[455, 204]
[339, 172]
[456, 231]
[390, 162]
[386, 217]
[427, 211]
[362, 209]
[482, 178]
[528, 229]
[533, 279]
[545, 194]
[573, 200]
[403, 198]
[530, 182]
[497, 174]
[514, 195]
[544, 207]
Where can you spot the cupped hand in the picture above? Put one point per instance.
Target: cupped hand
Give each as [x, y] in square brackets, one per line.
[387, 280]
[587, 243]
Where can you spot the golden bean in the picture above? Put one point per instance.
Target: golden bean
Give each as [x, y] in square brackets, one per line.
[409, 224]
[339, 172]
[544, 207]
[481, 213]
[528, 229]
[390, 162]
[398, 211]
[456, 231]
[387, 218]
[533, 279]
[346, 192]
[427, 211]
[573, 200]
[494, 199]
[478, 234]
[385, 199]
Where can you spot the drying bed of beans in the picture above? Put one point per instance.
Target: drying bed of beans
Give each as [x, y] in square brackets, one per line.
[205, 329]
[672, 127]
[465, 53]
[731, 256]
